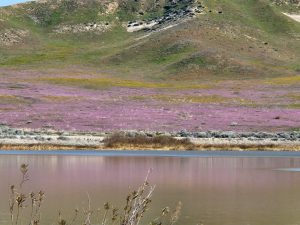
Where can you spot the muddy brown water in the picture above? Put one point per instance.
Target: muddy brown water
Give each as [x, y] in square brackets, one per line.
[215, 190]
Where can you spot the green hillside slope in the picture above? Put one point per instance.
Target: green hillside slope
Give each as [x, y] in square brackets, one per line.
[229, 39]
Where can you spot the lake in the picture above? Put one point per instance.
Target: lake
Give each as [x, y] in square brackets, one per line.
[215, 188]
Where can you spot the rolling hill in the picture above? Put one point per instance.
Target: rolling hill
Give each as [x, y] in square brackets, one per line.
[158, 65]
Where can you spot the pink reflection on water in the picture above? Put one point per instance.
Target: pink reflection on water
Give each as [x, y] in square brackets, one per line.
[216, 187]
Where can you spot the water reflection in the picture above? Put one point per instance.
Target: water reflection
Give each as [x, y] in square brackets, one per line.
[213, 190]
[289, 169]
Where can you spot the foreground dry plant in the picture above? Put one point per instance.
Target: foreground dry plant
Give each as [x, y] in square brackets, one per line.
[137, 204]
[18, 200]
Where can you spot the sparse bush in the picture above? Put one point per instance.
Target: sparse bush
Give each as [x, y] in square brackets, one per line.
[117, 140]
[137, 204]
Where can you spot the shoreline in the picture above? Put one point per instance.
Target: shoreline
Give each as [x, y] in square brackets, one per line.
[157, 153]
[26, 139]
[206, 147]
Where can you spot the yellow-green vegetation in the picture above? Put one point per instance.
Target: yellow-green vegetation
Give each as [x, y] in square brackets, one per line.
[205, 99]
[290, 80]
[138, 98]
[294, 106]
[52, 98]
[10, 99]
[100, 83]
[293, 96]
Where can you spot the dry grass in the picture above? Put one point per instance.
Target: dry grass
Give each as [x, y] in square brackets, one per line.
[52, 98]
[204, 99]
[46, 147]
[10, 99]
[248, 147]
[123, 141]
[291, 80]
[119, 142]
[101, 83]
[292, 96]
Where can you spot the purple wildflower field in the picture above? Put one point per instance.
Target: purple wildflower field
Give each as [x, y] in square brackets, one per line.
[27, 101]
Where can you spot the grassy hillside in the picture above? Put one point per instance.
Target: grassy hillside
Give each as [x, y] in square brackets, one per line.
[203, 65]
[231, 39]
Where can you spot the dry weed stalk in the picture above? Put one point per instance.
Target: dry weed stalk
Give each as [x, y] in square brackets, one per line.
[18, 201]
[137, 204]
[88, 212]
[167, 216]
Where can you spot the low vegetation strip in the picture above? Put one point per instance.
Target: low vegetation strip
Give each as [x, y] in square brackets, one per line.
[46, 147]
[102, 83]
[123, 141]
[140, 147]
[26, 139]
[249, 147]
